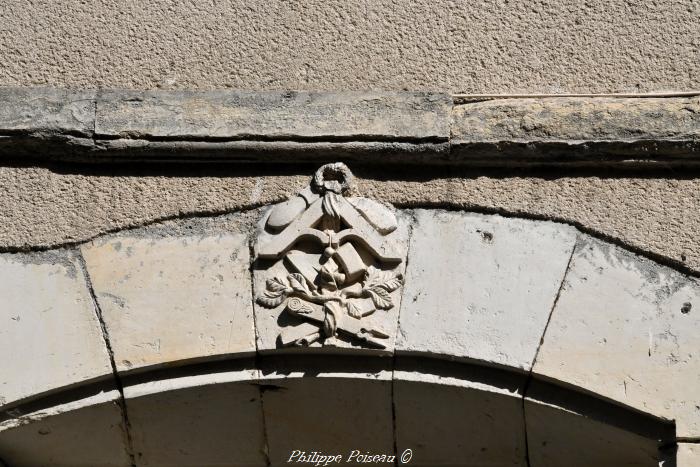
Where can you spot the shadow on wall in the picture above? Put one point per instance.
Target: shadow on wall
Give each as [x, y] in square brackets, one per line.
[257, 412]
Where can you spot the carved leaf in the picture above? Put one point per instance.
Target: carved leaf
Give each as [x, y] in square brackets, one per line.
[328, 278]
[392, 284]
[374, 276]
[380, 297]
[354, 311]
[384, 279]
[298, 283]
[276, 285]
[271, 299]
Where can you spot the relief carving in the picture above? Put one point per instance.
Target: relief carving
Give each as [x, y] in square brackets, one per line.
[340, 263]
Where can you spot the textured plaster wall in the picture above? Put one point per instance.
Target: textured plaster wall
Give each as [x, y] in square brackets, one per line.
[462, 46]
[40, 207]
[459, 46]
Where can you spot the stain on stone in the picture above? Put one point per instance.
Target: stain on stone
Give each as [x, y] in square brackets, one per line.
[61, 257]
[271, 387]
[116, 299]
[662, 281]
[685, 309]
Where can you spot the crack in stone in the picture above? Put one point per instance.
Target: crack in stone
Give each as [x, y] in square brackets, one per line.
[136, 226]
[412, 216]
[261, 388]
[118, 382]
[530, 373]
[688, 439]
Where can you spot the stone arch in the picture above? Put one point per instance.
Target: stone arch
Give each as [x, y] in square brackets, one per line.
[535, 337]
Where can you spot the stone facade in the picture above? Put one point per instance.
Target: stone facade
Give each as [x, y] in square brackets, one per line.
[556, 341]
[507, 277]
[613, 167]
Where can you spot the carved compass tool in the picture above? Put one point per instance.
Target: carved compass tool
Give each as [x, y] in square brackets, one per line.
[340, 263]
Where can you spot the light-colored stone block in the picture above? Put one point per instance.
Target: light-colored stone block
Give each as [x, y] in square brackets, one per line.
[50, 336]
[197, 421]
[170, 299]
[447, 421]
[627, 329]
[687, 455]
[471, 278]
[84, 433]
[557, 437]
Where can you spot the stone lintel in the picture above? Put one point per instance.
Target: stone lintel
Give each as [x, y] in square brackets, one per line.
[46, 113]
[368, 127]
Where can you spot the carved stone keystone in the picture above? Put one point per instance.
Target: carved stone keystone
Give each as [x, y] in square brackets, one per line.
[329, 268]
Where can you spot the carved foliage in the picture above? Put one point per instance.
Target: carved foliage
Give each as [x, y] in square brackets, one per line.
[341, 262]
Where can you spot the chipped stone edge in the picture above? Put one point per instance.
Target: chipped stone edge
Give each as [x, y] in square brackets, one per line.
[100, 398]
[43, 125]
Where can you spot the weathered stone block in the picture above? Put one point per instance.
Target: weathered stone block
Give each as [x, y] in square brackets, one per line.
[627, 329]
[471, 277]
[47, 111]
[575, 120]
[580, 131]
[84, 433]
[453, 422]
[328, 414]
[558, 437]
[204, 420]
[50, 335]
[170, 299]
[275, 115]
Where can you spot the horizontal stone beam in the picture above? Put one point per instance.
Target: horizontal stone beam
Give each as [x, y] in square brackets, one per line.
[371, 127]
[273, 116]
[574, 130]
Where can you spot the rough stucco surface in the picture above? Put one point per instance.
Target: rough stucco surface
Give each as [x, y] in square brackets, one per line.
[40, 207]
[462, 46]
